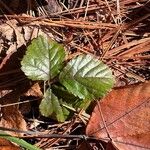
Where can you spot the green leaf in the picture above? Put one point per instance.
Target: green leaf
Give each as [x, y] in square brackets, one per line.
[43, 59]
[68, 98]
[87, 77]
[18, 141]
[63, 94]
[50, 105]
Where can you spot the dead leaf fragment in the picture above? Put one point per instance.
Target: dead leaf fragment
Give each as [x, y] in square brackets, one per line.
[84, 146]
[111, 146]
[126, 113]
[35, 90]
[11, 116]
[53, 6]
[6, 145]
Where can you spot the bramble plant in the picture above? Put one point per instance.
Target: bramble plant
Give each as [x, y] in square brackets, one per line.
[81, 80]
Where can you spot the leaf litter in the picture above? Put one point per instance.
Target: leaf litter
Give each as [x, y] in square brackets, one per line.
[123, 115]
[115, 32]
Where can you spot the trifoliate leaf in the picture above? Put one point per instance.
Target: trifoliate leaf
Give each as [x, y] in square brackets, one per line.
[50, 105]
[43, 59]
[87, 77]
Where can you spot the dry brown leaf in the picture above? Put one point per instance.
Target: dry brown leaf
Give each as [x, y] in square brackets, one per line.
[6, 145]
[35, 90]
[53, 6]
[11, 116]
[126, 115]
[84, 146]
[11, 74]
[111, 146]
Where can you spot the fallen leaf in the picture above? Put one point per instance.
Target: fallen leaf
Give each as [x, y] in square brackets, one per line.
[35, 90]
[11, 117]
[12, 78]
[125, 111]
[11, 74]
[84, 146]
[7, 145]
[111, 146]
[53, 6]
[10, 114]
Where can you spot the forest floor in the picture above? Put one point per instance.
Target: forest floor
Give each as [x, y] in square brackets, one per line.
[115, 32]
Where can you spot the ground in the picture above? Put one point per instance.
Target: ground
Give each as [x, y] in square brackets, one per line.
[115, 32]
